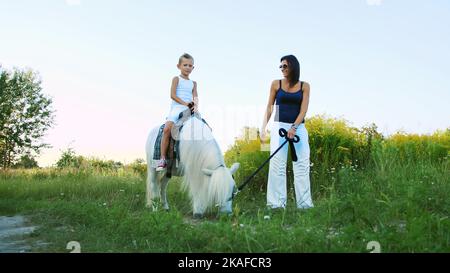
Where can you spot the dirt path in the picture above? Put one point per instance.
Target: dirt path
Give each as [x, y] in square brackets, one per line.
[12, 233]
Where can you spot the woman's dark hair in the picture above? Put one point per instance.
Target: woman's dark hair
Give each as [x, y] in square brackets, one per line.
[294, 69]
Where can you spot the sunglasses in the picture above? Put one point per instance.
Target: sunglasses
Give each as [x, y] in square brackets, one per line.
[283, 66]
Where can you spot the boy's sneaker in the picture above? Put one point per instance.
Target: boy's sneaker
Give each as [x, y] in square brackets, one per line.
[161, 165]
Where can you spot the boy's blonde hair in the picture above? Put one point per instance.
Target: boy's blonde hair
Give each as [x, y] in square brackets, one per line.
[185, 56]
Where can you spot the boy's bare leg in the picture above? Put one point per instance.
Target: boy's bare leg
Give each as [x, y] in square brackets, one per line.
[165, 142]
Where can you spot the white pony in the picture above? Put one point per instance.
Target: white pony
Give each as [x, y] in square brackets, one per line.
[208, 181]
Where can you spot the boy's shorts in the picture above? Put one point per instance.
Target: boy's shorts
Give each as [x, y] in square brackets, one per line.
[175, 111]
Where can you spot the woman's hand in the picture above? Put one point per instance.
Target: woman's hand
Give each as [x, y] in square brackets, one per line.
[263, 137]
[291, 133]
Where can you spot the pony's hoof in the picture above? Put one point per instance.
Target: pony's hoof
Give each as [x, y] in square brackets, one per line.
[151, 207]
[198, 216]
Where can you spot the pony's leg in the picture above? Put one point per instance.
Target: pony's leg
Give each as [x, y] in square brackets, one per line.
[164, 182]
[152, 189]
[227, 207]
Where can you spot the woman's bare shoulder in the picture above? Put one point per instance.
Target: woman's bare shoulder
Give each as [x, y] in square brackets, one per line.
[276, 83]
[306, 86]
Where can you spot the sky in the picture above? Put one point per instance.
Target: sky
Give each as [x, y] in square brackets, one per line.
[108, 65]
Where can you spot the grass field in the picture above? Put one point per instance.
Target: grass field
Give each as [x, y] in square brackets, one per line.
[394, 191]
[405, 209]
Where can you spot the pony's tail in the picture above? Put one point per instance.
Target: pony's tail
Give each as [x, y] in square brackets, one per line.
[151, 175]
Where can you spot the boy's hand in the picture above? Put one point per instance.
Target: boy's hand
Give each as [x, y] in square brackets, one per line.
[191, 106]
[195, 101]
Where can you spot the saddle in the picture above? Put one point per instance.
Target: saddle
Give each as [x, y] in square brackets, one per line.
[173, 154]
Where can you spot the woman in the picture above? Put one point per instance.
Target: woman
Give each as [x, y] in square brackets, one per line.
[291, 98]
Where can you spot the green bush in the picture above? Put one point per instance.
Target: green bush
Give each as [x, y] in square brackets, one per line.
[69, 159]
[139, 166]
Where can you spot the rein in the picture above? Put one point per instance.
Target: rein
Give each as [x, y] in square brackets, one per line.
[283, 133]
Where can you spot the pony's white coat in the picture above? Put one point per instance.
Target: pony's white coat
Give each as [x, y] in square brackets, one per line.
[206, 178]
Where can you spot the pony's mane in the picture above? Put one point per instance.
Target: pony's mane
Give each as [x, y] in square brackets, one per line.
[199, 150]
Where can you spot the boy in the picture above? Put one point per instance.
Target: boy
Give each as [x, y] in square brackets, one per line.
[184, 96]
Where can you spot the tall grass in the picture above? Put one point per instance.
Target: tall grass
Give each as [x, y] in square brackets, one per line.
[335, 145]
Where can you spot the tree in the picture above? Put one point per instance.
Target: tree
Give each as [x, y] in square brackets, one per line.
[26, 162]
[25, 115]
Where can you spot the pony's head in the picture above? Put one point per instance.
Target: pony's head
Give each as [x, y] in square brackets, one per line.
[221, 186]
[209, 181]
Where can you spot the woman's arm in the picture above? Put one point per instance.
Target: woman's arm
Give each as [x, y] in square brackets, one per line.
[305, 103]
[173, 92]
[269, 109]
[303, 109]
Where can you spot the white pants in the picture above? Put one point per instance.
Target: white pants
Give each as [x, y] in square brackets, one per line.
[276, 187]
